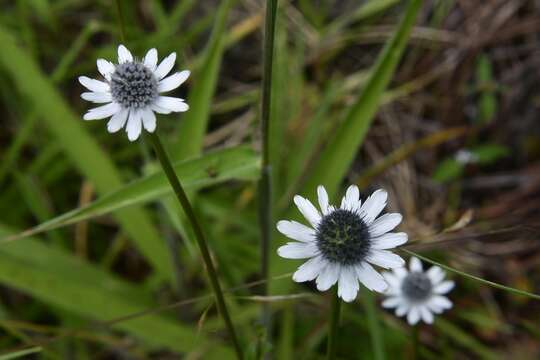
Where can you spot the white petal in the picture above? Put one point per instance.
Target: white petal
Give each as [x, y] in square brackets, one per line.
[310, 269]
[351, 199]
[402, 309]
[374, 205]
[117, 121]
[106, 68]
[296, 250]
[400, 272]
[384, 224]
[150, 59]
[392, 302]
[443, 287]
[102, 112]
[172, 103]
[159, 109]
[392, 280]
[434, 307]
[413, 316]
[124, 55]
[94, 85]
[441, 301]
[308, 210]
[389, 241]
[348, 284]
[296, 231]
[385, 259]
[149, 120]
[328, 276]
[370, 278]
[97, 97]
[436, 274]
[134, 125]
[323, 199]
[173, 81]
[415, 264]
[426, 315]
[165, 66]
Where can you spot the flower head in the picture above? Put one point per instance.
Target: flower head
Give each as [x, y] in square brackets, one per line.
[417, 293]
[131, 90]
[342, 242]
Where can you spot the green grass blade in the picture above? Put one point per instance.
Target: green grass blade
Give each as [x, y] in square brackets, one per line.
[83, 151]
[194, 123]
[59, 279]
[341, 150]
[20, 353]
[236, 163]
[464, 339]
[373, 324]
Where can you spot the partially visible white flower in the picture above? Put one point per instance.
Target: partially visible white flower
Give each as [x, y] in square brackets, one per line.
[416, 293]
[131, 91]
[465, 157]
[341, 243]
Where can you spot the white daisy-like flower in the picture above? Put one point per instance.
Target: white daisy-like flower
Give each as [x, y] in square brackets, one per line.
[342, 242]
[131, 90]
[417, 293]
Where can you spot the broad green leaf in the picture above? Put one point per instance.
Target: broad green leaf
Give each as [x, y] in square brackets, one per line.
[59, 279]
[216, 167]
[91, 161]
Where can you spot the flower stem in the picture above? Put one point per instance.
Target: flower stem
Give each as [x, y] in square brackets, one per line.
[265, 182]
[121, 20]
[415, 341]
[201, 240]
[333, 326]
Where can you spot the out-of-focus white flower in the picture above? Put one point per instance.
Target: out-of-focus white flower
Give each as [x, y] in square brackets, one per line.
[341, 243]
[416, 293]
[465, 157]
[131, 91]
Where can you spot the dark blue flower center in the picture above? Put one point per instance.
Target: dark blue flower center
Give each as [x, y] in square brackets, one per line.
[133, 85]
[416, 286]
[343, 237]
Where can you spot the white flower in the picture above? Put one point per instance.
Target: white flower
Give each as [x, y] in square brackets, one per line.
[417, 293]
[342, 242]
[131, 91]
[465, 157]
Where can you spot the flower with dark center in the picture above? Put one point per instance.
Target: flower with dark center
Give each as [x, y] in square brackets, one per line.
[343, 242]
[416, 286]
[343, 237]
[416, 293]
[131, 91]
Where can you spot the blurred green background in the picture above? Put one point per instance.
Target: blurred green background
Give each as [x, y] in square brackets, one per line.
[436, 101]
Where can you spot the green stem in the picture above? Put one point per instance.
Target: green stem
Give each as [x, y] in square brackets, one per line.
[201, 240]
[121, 20]
[415, 341]
[265, 182]
[333, 326]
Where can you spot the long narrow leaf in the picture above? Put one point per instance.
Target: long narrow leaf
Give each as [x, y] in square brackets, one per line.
[216, 167]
